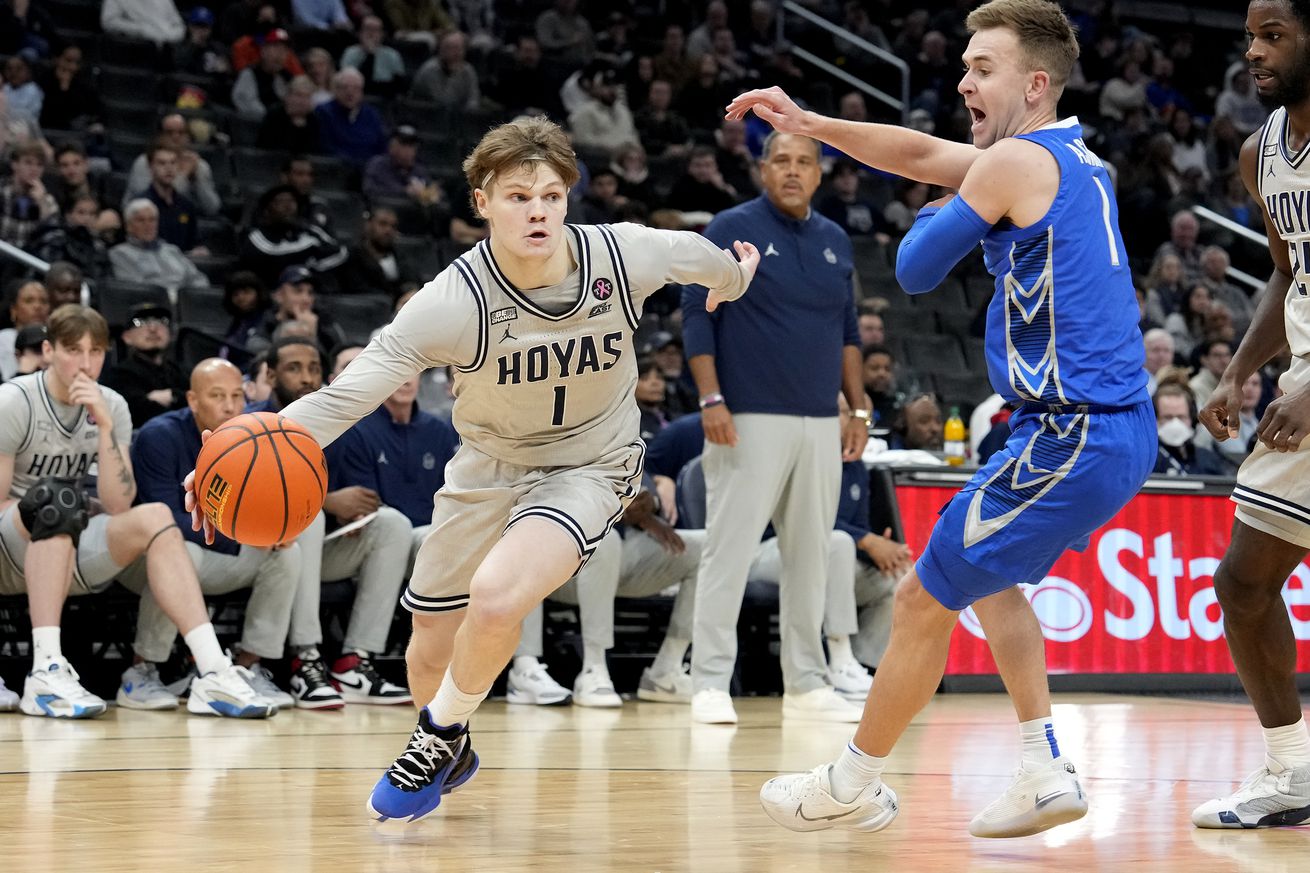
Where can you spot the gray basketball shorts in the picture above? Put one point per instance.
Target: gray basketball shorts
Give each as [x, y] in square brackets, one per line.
[484, 497]
[92, 572]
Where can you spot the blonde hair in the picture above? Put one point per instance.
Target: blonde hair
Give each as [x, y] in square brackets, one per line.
[521, 144]
[1046, 37]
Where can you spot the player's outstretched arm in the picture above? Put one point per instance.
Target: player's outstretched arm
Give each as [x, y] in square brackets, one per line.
[655, 258]
[1267, 335]
[887, 147]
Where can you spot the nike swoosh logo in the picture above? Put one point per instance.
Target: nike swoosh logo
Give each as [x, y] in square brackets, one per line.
[358, 683]
[800, 811]
[1042, 801]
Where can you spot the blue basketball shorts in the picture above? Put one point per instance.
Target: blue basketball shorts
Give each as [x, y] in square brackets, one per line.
[1060, 477]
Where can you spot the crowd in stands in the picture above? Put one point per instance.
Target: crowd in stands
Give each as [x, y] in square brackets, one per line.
[227, 179]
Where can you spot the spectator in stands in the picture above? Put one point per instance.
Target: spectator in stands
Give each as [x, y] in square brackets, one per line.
[671, 62]
[1219, 324]
[16, 131]
[382, 66]
[702, 188]
[662, 131]
[1159, 346]
[374, 266]
[857, 215]
[1237, 101]
[919, 425]
[679, 393]
[241, 18]
[1189, 145]
[702, 99]
[417, 20]
[74, 177]
[856, 20]
[263, 85]
[1178, 454]
[614, 43]
[601, 202]
[156, 21]
[1212, 358]
[246, 299]
[1234, 451]
[29, 349]
[448, 79]
[650, 394]
[376, 557]
[565, 35]
[736, 163]
[193, 178]
[1187, 326]
[398, 173]
[313, 210]
[177, 212]
[734, 68]
[147, 376]
[63, 283]
[24, 201]
[522, 86]
[870, 324]
[932, 74]
[633, 173]
[1125, 93]
[603, 121]
[700, 41]
[281, 239]
[1166, 286]
[200, 54]
[879, 376]
[320, 68]
[901, 213]
[27, 304]
[1184, 228]
[350, 128]
[71, 100]
[146, 258]
[321, 15]
[72, 236]
[294, 300]
[162, 454]
[292, 126]
[27, 25]
[23, 95]
[1214, 273]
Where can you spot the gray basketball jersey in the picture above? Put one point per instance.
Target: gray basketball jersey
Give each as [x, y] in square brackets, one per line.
[1284, 180]
[49, 438]
[543, 377]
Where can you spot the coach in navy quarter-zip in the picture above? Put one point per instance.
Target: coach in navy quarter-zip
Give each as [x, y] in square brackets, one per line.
[768, 369]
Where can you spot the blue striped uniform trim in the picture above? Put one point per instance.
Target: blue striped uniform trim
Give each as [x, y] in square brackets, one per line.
[1050, 738]
[621, 273]
[1246, 494]
[484, 323]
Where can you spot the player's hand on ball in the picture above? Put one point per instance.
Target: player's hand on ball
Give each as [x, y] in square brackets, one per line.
[772, 105]
[1286, 421]
[1222, 413]
[749, 258]
[189, 502]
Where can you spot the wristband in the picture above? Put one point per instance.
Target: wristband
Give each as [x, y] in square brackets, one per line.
[862, 414]
[711, 400]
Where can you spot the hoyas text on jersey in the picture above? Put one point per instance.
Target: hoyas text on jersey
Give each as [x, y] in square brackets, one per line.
[560, 360]
[72, 466]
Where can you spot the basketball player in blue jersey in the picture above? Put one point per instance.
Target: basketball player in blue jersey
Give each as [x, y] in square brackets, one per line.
[1062, 341]
[1272, 529]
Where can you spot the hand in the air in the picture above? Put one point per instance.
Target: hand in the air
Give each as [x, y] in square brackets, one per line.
[772, 105]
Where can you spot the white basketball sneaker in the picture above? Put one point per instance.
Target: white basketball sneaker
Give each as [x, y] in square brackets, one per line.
[534, 686]
[665, 687]
[1037, 800]
[54, 691]
[261, 679]
[141, 689]
[712, 706]
[593, 687]
[1264, 800]
[228, 693]
[851, 681]
[8, 699]
[821, 704]
[804, 802]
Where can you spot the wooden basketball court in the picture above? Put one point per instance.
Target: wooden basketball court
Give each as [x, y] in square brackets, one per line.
[634, 790]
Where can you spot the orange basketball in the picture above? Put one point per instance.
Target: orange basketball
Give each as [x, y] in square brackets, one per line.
[261, 479]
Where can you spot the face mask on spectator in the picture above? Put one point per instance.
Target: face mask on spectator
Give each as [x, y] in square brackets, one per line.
[1175, 432]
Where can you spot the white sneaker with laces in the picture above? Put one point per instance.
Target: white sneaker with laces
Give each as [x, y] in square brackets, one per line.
[851, 681]
[261, 679]
[141, 689]
[712, 706]
[54, 691]
[534, 686]
[228, 693]
[1264, 800]
[1036, 800]
[593, 687]
[665, 687]
[821, 704]
[804, 802]
[8, 698]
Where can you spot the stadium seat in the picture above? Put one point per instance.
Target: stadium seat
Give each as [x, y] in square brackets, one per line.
[358, 315]
[117, 298]
[937, 353]
[202, 309]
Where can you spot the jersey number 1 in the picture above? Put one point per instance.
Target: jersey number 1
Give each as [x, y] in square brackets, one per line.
[558, 418]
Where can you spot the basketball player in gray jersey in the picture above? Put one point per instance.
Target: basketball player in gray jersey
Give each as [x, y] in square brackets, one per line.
[58, 430]
[537, 323]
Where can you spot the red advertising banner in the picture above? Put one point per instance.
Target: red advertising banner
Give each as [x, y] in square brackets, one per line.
[1140, 599]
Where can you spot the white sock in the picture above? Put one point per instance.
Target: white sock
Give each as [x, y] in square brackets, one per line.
[669, 659]
[524, 663]
[593, 656]
[206, 650]
[1039, 745]
[308, 653]
[451, 706]
[1287, 747]
[45, 646]
[853, 772]
[839, 652]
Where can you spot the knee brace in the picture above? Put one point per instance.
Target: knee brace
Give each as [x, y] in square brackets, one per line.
[52, 507]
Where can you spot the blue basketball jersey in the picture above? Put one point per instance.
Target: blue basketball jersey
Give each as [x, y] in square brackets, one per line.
[1062, 325]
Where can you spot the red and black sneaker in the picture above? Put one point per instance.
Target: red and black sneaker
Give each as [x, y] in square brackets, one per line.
[359, 682]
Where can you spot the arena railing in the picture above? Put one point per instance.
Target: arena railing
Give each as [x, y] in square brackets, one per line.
[32, 262]
[1231, 226]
